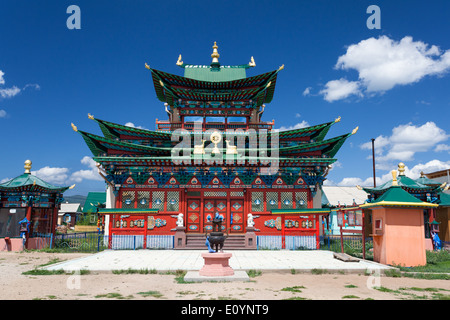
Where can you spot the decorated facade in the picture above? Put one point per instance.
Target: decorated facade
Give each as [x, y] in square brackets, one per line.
[214, 154]
[28, 207]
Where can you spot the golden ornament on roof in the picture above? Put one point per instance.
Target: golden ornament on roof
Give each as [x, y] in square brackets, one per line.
[27, 166]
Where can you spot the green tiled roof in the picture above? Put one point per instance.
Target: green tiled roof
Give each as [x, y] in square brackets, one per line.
[92, 200]
[31, 182]
[396, 196]
[444, 199]
[403, 181]
[206, 73]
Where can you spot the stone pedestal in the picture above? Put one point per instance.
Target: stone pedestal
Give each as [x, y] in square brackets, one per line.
[216, 264]
[180, 238]
[250, 238]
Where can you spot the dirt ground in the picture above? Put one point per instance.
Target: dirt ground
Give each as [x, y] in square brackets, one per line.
[267, 286]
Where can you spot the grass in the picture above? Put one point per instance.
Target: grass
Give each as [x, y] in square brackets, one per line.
[45, 272]
[318, 271]
[351, 286]
[155, 294]
[135, 271]
[113, 295]
[293, 289]
[437, 262]
[350, 297]
[254, 273]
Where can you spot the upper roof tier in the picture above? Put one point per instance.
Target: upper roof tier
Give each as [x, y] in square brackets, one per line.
[214, 84]
[215, 72]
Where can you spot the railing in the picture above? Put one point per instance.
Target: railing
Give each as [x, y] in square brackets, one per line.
[290, 242]
[352, 245]
[80, 242]
[168, 126]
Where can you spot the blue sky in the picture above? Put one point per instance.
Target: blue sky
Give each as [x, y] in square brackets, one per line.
[392, 82]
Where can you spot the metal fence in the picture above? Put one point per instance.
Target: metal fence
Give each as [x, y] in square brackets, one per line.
[94, 242]
[353, 245]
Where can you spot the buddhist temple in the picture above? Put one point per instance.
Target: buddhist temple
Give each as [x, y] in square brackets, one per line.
[214, 154]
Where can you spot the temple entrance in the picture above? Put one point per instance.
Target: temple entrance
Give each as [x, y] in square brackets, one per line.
[202, 208]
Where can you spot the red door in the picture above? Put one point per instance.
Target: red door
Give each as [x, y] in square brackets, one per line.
[193, 216]
[210, 207]
[237, 217]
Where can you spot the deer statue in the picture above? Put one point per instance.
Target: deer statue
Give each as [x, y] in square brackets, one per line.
[200, 149]
[231, 149]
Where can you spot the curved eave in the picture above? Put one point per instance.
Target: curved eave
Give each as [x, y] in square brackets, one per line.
[100, 145]
[399, 204]
[169, 88]
[114, 130]
[327, 147]
[31, 183]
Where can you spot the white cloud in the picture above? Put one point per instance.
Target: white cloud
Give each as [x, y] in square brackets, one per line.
[2, 80]
[299, 125]
[131, 124]
[9, 92]
[5, 180]
[89, 174]
[413, 173]
[406, 140]
[340, 89]
[2, 113]
[52, 175]
[297, 115]
[307, 91]
[442, 147]
[384, 63]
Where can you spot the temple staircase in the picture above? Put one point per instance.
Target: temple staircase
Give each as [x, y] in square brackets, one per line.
[233, 242]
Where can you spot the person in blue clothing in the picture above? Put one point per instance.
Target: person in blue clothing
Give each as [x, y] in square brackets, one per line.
[436, 241]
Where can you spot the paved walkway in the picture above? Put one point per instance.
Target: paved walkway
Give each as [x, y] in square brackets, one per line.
[170, 260]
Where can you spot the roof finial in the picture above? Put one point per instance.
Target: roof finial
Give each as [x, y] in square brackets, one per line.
[179, 62]
[401, 169]
[252, 62]
[215, 55]
[394, 178]
[27, 166]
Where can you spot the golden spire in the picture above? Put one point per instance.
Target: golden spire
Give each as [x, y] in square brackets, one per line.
[27, 166]
[147, 66]
[355, 130]
[215, 55]
[179, 62]
[252, 62]
[338, 119]
[90, 116]
[401, 169]
[394, 178]
[74, 127]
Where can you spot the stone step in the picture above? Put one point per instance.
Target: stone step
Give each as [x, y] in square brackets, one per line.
[197, 241]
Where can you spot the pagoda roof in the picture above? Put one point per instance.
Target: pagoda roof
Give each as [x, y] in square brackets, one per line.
[215, 72]
[29, 182]
[444, 199]
[171, 88]
[395, 196]
[426, 181]
[113, 130]
[327, 147]
[211, 74]
[404, 182]
[206, 159]
[100, 145]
